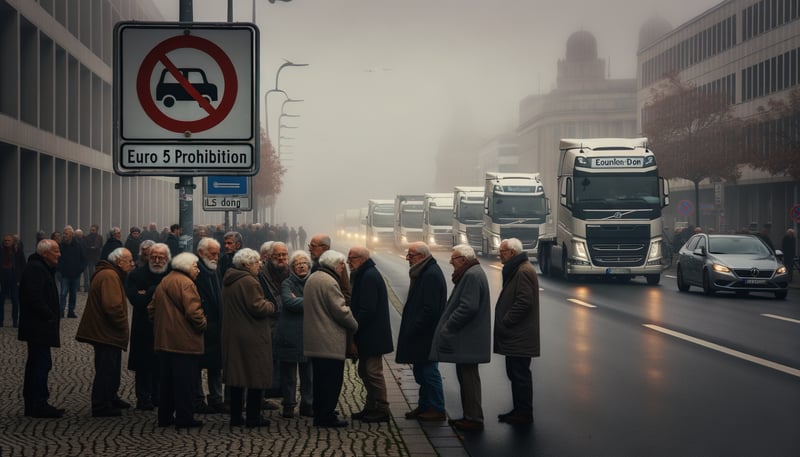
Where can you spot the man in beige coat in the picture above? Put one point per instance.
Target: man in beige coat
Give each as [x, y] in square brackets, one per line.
[104, 325]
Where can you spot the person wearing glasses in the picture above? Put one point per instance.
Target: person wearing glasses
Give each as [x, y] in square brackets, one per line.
[289, 339]
[516, 328]
[463, 335]
[370, 306]
[104, 325]
[318, 245]
[326, 320]
[427, 294]
[140, 287]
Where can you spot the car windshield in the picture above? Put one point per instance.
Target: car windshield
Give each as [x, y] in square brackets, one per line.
[743, 245]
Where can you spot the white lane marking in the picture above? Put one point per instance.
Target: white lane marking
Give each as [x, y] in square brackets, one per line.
[582, 303]
[671, 276]
[496, 267]
[787, 319]
[732, 352]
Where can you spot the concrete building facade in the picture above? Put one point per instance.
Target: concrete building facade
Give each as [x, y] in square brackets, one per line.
[750, 50]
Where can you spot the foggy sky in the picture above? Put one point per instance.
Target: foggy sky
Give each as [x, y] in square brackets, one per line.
[387, 78]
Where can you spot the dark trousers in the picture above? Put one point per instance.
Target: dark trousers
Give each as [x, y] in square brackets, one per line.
[254, 397]
[518, 370]
[370, 370]
[37, 369]
[469, 381]
[146, 383]
[328, 378]
[9, 289]
[69, 288]
[178, 376]
[107, 366]
[289, 372]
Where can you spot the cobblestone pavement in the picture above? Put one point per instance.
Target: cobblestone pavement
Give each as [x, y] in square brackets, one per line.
[135, 433]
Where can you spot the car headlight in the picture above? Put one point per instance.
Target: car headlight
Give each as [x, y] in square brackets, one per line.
[781, 270]
[720, 268]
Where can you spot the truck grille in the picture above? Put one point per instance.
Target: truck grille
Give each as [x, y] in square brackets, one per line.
[618, 245]
[528, 235]
[474, 236]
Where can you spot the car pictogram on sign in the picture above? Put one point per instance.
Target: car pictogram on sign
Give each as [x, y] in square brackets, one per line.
[169, 89]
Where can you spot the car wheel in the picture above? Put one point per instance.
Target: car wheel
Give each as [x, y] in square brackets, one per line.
[653, 279]
[781, 294]
[707, 288]
[168, 101]
[683, 286]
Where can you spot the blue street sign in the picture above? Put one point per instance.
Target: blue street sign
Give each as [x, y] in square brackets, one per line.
[227, 185]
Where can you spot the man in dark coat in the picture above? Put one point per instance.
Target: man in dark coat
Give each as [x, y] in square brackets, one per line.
[12, 263]
[274, 270]
[39, 326]
[210, 290]
[789, 249]
[369, 304]
[423, 309]
[174, 239]
[92, 247]
[114, 241]
[516, 328]
[140, 287]
[134, 241]
[463, 335]
[71, 265]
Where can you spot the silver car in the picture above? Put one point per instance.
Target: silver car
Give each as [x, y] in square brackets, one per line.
[739, 263]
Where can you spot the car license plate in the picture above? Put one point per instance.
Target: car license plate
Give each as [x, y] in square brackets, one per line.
[755, 282]
[618, 271]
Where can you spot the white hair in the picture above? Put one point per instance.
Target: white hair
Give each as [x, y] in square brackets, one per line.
[206, 242]
[266, 247]
[116, 254]
[465, 250]
[299, 255]
[514, 244]
[331, 259]
[184, 262]
[245, 257]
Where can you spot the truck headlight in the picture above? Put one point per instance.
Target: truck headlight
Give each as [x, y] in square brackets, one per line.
[495, 242]
[654, 257]
[580, 251]
[462, 238]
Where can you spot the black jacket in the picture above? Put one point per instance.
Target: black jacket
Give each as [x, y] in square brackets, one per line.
[73, 259]
[424, 305]
[142, 354]
[210, 290]
[109, 247]
[370, 306]
[39, 310]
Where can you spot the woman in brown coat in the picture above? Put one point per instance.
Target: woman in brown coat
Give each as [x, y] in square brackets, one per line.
[246, 338]
[178, 326]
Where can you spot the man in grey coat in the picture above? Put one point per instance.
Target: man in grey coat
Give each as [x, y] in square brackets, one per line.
[516, 328]
[463, 335]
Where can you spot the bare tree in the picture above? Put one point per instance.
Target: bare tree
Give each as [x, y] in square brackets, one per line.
[775, 136]
[694, 134]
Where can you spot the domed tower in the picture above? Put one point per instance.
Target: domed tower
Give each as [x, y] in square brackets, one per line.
[653, 29]
[581, 69]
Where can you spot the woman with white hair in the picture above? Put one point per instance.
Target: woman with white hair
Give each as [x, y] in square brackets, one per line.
[178, 326]
[326, 321]
[246, 338]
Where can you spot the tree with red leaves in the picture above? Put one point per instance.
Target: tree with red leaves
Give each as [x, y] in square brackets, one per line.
[269, 180]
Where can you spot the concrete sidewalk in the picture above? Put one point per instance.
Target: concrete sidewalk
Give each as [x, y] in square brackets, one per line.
[135, 433]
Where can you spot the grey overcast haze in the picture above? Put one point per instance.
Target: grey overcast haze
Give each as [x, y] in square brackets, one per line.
[386, 79]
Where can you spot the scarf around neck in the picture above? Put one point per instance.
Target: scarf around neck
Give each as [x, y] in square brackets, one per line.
[459, 272]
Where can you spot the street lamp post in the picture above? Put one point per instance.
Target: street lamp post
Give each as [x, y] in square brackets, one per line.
[266, 95]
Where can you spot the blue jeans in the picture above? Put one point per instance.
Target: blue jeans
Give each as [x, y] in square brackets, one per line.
[431, 394]
[69, 285]
[288, 378]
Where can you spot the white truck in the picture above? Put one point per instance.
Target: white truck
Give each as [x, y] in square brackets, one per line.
[468, 216]
[380, 223]
[407, 220]
[437, 220]
[607, 217]
[514, 206]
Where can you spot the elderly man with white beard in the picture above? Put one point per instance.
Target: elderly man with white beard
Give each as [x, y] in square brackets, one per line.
[210, 290]
[140, 287]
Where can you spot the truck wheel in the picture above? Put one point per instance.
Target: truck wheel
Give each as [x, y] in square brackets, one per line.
[544, 261]
[653, 279]
[564, 273]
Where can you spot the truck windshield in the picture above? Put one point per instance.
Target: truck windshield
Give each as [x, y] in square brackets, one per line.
[440, 216]
[411, 218]
[471, 211]
[617, 190]
[519, 207]
[382, 219]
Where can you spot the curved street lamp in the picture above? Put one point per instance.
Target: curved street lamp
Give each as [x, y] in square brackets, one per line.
[288, 63]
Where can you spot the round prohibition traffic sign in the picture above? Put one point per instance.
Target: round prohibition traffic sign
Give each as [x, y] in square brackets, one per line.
[686, 208]
[159, 54]
[795, 213]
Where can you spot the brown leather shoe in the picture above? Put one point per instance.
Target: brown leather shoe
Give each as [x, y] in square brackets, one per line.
[467, 425]
[413, 413]
[431, 415]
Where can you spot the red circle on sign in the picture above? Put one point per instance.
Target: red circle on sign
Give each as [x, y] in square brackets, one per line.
[795, 213]
[159, 54]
